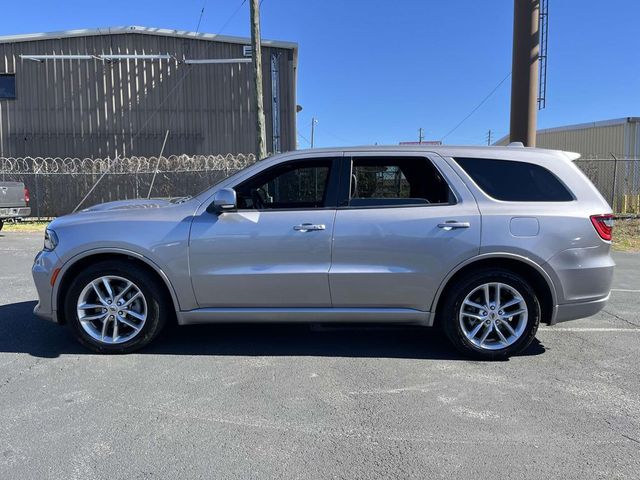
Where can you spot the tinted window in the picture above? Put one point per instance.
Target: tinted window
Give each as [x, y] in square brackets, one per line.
[397, 181]
[7, 85]
[515, 181]
[292, 185]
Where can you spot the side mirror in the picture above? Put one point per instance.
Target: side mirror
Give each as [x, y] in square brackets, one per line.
[224, 201]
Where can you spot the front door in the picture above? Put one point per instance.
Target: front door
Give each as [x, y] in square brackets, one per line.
[275, 250]
[402, 227]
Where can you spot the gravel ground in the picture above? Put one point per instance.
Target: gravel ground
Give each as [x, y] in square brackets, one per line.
[320, 402]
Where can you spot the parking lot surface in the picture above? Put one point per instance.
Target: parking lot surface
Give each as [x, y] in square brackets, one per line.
[316, 402]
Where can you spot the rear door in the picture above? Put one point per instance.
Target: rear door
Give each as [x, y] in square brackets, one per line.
[404, 221]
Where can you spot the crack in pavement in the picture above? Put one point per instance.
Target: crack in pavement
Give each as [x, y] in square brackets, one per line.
[621, 318]
[630, 438]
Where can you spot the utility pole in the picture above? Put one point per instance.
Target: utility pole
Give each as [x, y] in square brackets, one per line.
[313, 129]
[489, 137]
[256, 50]
[420, 135]
[524, 72]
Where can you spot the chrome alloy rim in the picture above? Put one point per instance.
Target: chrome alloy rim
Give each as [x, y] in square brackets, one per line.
[112, 309]
[493, 316]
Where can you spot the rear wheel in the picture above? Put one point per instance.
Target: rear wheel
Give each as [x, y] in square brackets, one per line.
[491, 314]
[116, 307]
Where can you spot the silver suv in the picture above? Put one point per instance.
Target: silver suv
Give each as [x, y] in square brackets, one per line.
[485, 243]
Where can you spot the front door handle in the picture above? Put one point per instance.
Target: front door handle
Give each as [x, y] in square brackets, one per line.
[309, 227]
[453, 225]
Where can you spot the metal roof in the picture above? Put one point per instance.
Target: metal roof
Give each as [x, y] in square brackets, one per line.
[580, 126]
[601, 123]
[30, 37]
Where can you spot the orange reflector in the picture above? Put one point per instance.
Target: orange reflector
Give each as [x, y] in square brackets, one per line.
[56, 272]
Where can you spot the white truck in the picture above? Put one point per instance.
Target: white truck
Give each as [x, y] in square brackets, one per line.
[14, 201]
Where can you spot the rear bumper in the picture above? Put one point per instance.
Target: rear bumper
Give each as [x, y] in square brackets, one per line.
[583, 274]
[582, 278]
[13, 212]
[574, 311]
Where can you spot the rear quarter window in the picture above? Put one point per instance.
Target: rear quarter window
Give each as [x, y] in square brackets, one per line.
[513, 181]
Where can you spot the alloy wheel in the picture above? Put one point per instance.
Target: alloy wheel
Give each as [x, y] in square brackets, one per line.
[493, 316]
[112, 309]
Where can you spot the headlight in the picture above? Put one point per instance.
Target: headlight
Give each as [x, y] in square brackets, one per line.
[50, 240]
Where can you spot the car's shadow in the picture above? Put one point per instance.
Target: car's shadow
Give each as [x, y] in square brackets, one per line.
[22, 332]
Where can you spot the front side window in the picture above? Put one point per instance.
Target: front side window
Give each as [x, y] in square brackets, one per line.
[513, 181]
[7, 86]
[397, 181]
[302, 184]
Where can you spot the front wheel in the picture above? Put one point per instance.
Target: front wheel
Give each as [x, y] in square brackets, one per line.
[491, 314]
[116, 307]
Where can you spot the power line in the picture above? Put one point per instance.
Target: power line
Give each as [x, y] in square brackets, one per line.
[337, 137]
[184, 75]
[477, 106]
[304, 138]
[204, 4]
[331, 134]
[235, 12]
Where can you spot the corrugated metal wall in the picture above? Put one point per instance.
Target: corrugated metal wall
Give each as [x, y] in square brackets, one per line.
[619, 137]
[593, 142]
[91, 108]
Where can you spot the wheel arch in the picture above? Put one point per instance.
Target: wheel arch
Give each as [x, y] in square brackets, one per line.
[81, 260]
[531, 271]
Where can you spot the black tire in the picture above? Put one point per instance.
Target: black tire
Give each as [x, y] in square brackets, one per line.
[455, 296]
[1, 224]
[159, 307]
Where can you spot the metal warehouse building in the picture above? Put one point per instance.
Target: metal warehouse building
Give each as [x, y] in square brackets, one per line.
[619, 137]
[116, 91]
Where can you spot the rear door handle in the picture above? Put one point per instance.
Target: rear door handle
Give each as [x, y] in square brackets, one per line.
[309, 227]
[453, 225]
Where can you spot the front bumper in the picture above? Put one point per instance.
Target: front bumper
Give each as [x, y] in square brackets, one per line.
[15, 212]
[44, 265]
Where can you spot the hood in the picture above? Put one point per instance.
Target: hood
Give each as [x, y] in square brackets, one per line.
[133, 204]
[129, 210]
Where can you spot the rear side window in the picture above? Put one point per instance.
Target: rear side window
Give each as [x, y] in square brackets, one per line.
[515, 181]
[386, 181]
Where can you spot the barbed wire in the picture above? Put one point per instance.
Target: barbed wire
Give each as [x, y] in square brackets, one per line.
[128, 165]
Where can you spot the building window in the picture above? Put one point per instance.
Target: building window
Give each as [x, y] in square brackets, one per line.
[7, 85]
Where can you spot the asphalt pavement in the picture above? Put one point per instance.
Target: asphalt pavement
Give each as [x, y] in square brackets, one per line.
[294, 401]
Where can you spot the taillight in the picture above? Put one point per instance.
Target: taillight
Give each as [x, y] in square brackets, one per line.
[603, 225]
[27, 197]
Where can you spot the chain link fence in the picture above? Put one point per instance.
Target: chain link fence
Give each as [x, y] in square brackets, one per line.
[57, 185]
[618, 181]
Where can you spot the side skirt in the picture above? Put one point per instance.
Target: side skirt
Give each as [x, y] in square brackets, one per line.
[305, 315]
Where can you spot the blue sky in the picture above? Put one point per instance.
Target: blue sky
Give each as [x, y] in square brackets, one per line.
[375, 71]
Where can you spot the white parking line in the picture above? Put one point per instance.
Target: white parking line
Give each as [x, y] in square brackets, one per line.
[587, 329]
[624, 290]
